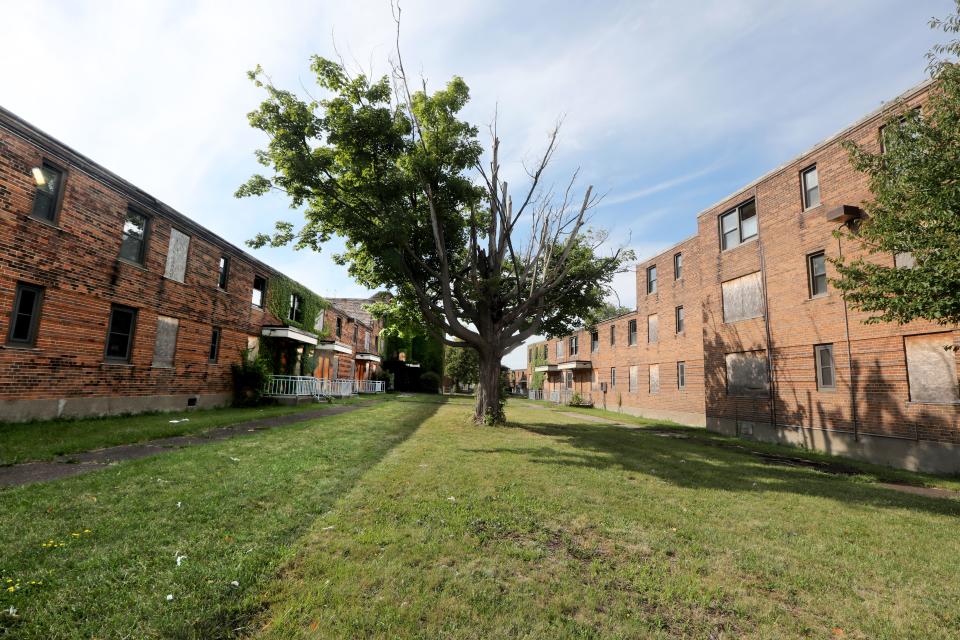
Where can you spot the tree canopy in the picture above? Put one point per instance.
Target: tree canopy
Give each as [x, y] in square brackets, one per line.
[915, 212]
[425, 212]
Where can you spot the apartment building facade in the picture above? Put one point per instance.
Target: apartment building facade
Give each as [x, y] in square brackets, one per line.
[778, 355]
[113, 302]
[349, 344]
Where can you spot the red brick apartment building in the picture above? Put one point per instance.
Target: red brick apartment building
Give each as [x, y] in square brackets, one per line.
[767, 348]
[349, 344]
[112, 302]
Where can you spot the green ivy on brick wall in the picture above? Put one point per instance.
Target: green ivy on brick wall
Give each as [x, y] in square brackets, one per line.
[537, 359]
[278, 302]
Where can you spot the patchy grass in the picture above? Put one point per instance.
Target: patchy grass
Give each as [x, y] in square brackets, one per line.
[46, 439]
[864, 470]
[555, 528]
[103, 547]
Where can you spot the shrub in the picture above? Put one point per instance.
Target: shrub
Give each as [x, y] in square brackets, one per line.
[430, 382]
[249, 378]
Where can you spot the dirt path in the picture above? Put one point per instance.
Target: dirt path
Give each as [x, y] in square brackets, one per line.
[75, 464]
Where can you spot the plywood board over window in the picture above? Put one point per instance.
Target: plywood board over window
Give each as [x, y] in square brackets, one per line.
[177, 255]
[743, 298]
[747, 374]
[931, 368]
[166, 344]
[654, 379]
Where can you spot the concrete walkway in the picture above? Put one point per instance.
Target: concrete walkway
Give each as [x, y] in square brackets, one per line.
[75, 464]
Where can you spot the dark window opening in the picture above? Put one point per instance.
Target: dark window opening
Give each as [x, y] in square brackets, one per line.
[679, 317]
[134, 237]
[214, 345]
[825, 370]
[123, 321]
[652, 279]
[632, 332]
[49, 188]
[25, 318]
[224, 269]
[296, 308]
[738, 226]
[678, 266]
[259, 289]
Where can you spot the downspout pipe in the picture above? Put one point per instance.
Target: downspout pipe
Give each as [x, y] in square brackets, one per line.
[766, 326]
[846, 329]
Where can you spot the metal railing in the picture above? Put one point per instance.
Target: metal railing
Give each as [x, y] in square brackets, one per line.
[293, 387]
[535, 394]
[567, 396]
[304, 386]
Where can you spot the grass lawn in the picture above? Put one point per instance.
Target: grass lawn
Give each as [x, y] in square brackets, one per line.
[555, 528]
[46, 439]
[232, 508]
[403, 520]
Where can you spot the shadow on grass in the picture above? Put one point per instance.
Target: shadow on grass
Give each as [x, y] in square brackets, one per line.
[686, 457]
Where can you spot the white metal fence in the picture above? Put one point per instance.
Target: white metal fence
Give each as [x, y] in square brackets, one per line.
[303, 386]
[568, 396]
[535, 394]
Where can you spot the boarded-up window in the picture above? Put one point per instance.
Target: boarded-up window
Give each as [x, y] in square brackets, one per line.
[177, 255]
[653, 328]
[931, 368]
[747, 374]
[634, 375]
[743, 298]
[166, 345]
[654, 379]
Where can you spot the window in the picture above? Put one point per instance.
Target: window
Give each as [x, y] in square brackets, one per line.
[25, 318]
[574, 345]
[166, 344]
[738, 226]
[613, 377]
[594, 341]
[177, 256]
[653, 328]
[678, 266]
[632, 332]
[681, 375]
[747, 374]
[214, 345]
[134, 237]
[654, 379]
[49, 189]
[678, 316]
[817, 270]
[613, 334]
[823, 354]
[296, 308]
[224, 270]
[742, 298]
[931, 368]
[339, 327]
[652, 279]
[356, 332]
[568, 379]
[632, 383]
[559, 350]
[123, 321]
[259, 288]
[811, 188]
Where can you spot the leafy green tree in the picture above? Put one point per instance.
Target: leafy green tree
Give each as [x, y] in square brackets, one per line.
[462, 365]
[915, 212]
[605, 312]
[398, 175]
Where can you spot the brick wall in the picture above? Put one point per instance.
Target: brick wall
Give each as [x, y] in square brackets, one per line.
[76, 261]
[871, 398]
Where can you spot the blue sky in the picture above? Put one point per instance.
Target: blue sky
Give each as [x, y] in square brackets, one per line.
[668, 106]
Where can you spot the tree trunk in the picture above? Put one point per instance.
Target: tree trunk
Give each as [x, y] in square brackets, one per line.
[488, 410]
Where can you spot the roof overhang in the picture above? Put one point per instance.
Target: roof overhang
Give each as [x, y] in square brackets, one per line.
[370, 357]
[332, 345]
[545, 367]
[575, 364]
[290, 333]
